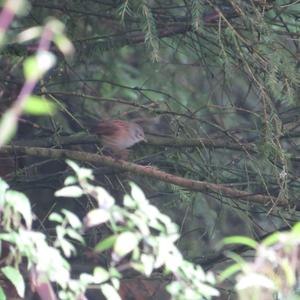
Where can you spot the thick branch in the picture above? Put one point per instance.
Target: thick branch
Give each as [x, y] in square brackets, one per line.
[152, 172]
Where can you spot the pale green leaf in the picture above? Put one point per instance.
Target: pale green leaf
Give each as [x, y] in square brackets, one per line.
[243, 240]
[21, 204]
[106, 243]
[8, 127]
[110, 292]
[2, 294]
[125, 243]
[228, 272]
[137, 194]
[148, 263]
[64, 44]
[296, 229]
[75, 235]
[15, 277]
[36, 66]
[72, 191]
[3, 188]
[55, 217]
[100, 275]
[70, 180]
[96, 217]
[39, 106]
[29, 34]
[72, 218]
[271, 239]
[255, 280]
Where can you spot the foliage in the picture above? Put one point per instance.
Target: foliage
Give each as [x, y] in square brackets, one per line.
[215, 85]
[142, 239]
[274, 269]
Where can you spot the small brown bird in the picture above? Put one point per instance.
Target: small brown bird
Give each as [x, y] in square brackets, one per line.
[119, 135]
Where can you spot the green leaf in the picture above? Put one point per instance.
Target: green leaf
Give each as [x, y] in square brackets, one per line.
[8, 127]
[29, 34]
[73, 165]
[21, 204]
[72, 218]
[15, 277]
[3, 188]
[72, 191]
[55, 217]
[18, 7]
[70, 180]
[110, 292]
[39, 106]
[125, 243]
[271, 239]
[64, 44]
[243, 240]
[256, 280]
[106, 243]
[2, 294]
[228, 272]
[75, 235]
[296, 229]
[148, 263]
[36, 66]
[129, 202]
[100, 275]
[96, 217]
[137, 194]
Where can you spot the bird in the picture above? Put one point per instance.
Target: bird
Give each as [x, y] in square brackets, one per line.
[118, 135]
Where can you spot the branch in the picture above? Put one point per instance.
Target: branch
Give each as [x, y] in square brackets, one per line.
[151, 172]
[84, 138]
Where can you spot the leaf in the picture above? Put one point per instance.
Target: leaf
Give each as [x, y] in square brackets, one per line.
[72, 218]
[2, 294]
[240, 240]
[100, 275]
[271, 239]
[29, 34]
[104, 199]
[8, 126]
[229, 271]
[72, 191]
[73, 165]
[148, 263]
[75, 235]
[39, 106]
[96, 217]
[106, 243]
[129, 202]
[125, 243]
[110, 292]
[3, 188]
[255, 280]
[70, 180]
[137, 194]
[55, 217]
[15, 277]
[64, 44]
[36, 66]
[21, 204]
[17, 7]
[296, 229]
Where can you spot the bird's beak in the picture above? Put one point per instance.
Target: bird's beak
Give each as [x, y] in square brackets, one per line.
[145, 140]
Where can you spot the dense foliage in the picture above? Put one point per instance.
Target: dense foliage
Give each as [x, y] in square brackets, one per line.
[215, 86]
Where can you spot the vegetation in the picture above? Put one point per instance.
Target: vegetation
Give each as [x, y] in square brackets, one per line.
[215, 86]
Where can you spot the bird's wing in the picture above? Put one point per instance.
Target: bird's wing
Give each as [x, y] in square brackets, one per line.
[105, 128]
